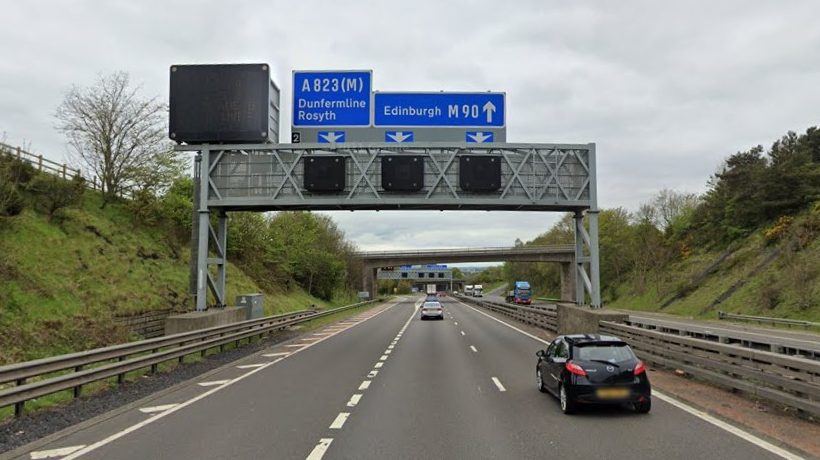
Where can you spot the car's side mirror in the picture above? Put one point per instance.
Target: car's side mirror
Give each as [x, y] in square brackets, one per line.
[540, 354]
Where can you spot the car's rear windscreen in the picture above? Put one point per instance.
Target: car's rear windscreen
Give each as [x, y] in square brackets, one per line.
[615, 352]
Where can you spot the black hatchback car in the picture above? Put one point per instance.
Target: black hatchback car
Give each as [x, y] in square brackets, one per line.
[597, 369]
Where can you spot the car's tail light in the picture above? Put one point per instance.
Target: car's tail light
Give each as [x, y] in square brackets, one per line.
[640, 368]
[575, 369]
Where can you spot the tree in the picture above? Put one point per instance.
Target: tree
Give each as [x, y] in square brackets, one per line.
[118, 135]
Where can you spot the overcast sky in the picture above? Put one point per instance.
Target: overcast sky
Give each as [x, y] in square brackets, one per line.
[665, 89]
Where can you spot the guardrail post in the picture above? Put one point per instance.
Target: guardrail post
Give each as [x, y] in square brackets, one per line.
[79, 388]
[40, 162]
[19, 154]
[64, 171]
[20, 406]
[155, 366]
[120, 377]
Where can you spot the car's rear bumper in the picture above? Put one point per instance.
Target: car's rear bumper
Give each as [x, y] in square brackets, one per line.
[588, 394]
[432, 314]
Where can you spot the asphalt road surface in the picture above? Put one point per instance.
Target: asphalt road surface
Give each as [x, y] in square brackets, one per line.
[385, 385]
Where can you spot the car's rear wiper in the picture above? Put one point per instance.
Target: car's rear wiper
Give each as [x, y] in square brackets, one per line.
[602, 361]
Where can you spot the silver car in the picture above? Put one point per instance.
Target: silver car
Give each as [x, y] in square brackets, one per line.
[432, 309]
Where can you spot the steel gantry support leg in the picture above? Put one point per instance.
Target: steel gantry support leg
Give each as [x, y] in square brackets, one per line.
[205, 237]
[594, 262]
[580, 259]
[222, 259]
[203, 224]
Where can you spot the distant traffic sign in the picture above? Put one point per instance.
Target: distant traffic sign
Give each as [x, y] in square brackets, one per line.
[332, 98]
[329, 137]
[439, 109]
[478, 137]
[398, 136]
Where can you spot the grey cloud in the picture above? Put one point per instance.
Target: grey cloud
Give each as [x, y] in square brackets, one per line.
[666, 90]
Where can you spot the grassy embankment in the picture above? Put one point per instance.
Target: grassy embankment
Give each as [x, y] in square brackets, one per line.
[754, 276]
[62, 282]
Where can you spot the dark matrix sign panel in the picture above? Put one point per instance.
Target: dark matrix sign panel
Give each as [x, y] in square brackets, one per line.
[226, 103]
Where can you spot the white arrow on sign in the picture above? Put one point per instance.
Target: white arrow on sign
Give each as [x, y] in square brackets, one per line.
[332, 136]
[489, 108]
[480, 137]
[400, 136]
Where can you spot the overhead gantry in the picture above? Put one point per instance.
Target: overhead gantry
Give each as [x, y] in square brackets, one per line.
[563, 255]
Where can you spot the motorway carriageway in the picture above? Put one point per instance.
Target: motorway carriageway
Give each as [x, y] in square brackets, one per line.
[386, 385]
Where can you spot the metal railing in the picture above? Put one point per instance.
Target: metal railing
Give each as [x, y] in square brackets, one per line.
[34, 379]
[767, 320]
[515, 250]
[540, 316]
[788, 380]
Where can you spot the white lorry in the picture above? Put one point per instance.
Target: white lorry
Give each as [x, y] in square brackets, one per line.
[468, 290]
[478, 290]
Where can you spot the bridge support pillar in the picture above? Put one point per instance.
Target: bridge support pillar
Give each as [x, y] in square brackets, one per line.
[567, 282]
[369, 280]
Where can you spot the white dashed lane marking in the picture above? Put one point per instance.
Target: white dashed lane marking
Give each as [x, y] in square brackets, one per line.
[354, 400]
[319, 451]
[498, 384]
[462, 333]
[340, 421]
[379, 364]
[474, 349]
[365, 385]
[372, 374]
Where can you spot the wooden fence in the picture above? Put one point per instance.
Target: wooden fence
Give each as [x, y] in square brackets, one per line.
[47, 166]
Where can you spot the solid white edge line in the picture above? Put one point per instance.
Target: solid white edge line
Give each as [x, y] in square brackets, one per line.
[340, 420]
[498, 384]
[745, 435]
[354, 400]
[319, 451]
[51, 453]
[274, 355]
[187, 403]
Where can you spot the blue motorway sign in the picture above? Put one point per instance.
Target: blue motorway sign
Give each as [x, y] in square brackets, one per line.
[439, 109]
[332, 98]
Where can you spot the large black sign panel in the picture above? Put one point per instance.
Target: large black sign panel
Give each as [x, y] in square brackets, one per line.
[225, 103]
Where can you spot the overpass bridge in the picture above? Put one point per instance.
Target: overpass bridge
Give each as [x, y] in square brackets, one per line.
[561, 254]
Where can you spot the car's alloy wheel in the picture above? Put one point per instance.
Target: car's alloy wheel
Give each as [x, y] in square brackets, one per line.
[567, 405]
[540, 381]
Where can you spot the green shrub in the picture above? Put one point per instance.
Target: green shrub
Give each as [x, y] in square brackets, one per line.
[52, 194]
